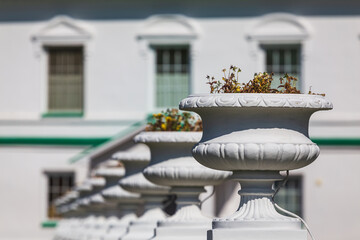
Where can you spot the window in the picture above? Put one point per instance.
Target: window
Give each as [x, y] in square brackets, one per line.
[65, 79]
[172, 75]
[289, 197]
[281, 59]
[58, 184]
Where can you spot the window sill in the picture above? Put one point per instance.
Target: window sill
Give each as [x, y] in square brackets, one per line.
[49, 224]
[62, 115]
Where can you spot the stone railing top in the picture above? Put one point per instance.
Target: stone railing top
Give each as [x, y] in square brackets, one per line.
[148, 137]
[132, 156]
[110, 172]
[248, 100]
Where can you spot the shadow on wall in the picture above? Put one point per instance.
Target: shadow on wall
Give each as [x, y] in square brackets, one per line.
[227, 199]
[33, 10]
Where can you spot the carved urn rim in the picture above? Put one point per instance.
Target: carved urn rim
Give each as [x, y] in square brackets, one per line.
[255, 100]
[131, 156]
[168, 137]
[110, 172]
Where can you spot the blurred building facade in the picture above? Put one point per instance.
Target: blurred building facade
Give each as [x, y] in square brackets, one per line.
[77, 80]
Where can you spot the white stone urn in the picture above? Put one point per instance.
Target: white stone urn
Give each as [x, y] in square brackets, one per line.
[124, 204]
[98, 207]
[152, 194]
[83, 201]
[173, 165]
[256, 136]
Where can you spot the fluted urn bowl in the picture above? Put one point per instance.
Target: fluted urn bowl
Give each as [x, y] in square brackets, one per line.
[171, 161]
[250, 131]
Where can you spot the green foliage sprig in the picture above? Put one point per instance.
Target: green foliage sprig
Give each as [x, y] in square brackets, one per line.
[174, 120]
[261, 83]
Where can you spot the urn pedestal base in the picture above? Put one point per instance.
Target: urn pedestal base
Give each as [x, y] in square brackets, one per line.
[143, 228]
[256, 218]
[188, 221]
[119, 229]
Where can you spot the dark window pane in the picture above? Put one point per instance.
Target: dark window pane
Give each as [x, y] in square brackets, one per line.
[289, 197]
[58, 184]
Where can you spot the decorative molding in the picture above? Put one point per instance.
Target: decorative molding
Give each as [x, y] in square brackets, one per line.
[265, 100]
[168, 26]
[62, 29]
[184, 173]
[168, 137]
[279, 27]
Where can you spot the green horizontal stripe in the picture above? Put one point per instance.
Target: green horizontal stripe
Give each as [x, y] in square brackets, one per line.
[337, 141]
[52, 140]
[62, 114]
[100, 140]
[49, 224]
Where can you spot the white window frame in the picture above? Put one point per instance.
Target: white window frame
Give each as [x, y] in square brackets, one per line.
[163, 30]
[61, 31]
[266, 32]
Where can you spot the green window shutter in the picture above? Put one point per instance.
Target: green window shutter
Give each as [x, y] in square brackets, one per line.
[172, 75]
[65, 89]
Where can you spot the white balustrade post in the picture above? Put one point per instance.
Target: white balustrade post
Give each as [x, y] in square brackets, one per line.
[172, 165]
[256, 136]
[152, 194]
[124, 204]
